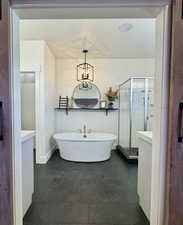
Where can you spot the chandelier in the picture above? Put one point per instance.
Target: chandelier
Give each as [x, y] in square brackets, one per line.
[85, 72]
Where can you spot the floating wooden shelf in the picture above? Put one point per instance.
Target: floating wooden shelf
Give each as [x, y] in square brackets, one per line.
[87, 109]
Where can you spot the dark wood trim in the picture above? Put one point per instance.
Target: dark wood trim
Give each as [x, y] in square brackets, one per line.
[174, 175]
[174, 171]
[0, 9]
[6, 178]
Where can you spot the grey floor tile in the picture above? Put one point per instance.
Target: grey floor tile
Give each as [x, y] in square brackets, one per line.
[37, 214]
[106, 213]
[115, 213]
[68, 193]
[69, 224]
[69, 213]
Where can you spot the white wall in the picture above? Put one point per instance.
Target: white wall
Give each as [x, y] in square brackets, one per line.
[50, 97]
[31, 55]
[108, 72]
[35, 56]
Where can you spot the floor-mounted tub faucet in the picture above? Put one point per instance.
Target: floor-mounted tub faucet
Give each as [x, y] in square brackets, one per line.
[84, 131]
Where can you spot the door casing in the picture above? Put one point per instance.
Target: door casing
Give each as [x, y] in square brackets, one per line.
[6, 184]
[162, 82]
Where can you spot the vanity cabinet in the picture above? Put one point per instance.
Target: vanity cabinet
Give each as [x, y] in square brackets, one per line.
[144, 171]
[27, 169]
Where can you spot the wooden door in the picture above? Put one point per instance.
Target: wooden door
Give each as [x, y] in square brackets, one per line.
[174, 184]
[6, 179]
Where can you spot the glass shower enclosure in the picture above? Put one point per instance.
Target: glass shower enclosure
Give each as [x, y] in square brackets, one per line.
[135, 113]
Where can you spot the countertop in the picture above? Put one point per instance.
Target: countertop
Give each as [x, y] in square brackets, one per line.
[145, 135]
[27, 134]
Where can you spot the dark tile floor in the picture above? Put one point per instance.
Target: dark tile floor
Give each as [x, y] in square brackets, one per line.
[68, 193]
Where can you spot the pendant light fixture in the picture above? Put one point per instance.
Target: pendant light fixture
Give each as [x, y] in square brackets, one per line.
[85, 72]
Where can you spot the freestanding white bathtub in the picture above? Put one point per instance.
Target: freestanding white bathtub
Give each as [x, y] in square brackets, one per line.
[95, 147]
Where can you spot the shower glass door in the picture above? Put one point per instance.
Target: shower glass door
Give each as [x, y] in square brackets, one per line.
[135, 113]
[124, 115]
[150, 104]
[138, 112]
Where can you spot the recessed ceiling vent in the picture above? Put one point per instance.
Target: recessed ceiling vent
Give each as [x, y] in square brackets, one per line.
[125, 27]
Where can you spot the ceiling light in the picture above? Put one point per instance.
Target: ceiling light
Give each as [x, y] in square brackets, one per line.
[85, 71]
[125, 27]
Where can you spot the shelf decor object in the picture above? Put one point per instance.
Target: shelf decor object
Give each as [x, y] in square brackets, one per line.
[64, 103]
[85, 73]
[103, 104]
[112, 96]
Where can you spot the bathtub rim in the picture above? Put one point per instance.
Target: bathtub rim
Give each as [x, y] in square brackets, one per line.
[111, 137]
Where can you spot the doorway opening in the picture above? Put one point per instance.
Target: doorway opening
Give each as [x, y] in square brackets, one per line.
[98, 192]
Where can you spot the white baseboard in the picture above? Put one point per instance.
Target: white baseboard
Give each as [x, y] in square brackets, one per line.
[44, 158]
[114, 147]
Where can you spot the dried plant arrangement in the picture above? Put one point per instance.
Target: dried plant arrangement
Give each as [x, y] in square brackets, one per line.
[112, 95]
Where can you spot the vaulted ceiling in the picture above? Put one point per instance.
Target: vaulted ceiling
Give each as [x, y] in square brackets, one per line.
[104, 38]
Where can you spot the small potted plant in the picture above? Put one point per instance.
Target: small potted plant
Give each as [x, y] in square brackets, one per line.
[112, 96]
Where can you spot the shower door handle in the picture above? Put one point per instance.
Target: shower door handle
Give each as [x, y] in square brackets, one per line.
[1, 121]
[180, 123]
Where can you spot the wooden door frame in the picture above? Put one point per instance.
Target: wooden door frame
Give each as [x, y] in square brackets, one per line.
[16, 113]
[174, 169]
[6, 176]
